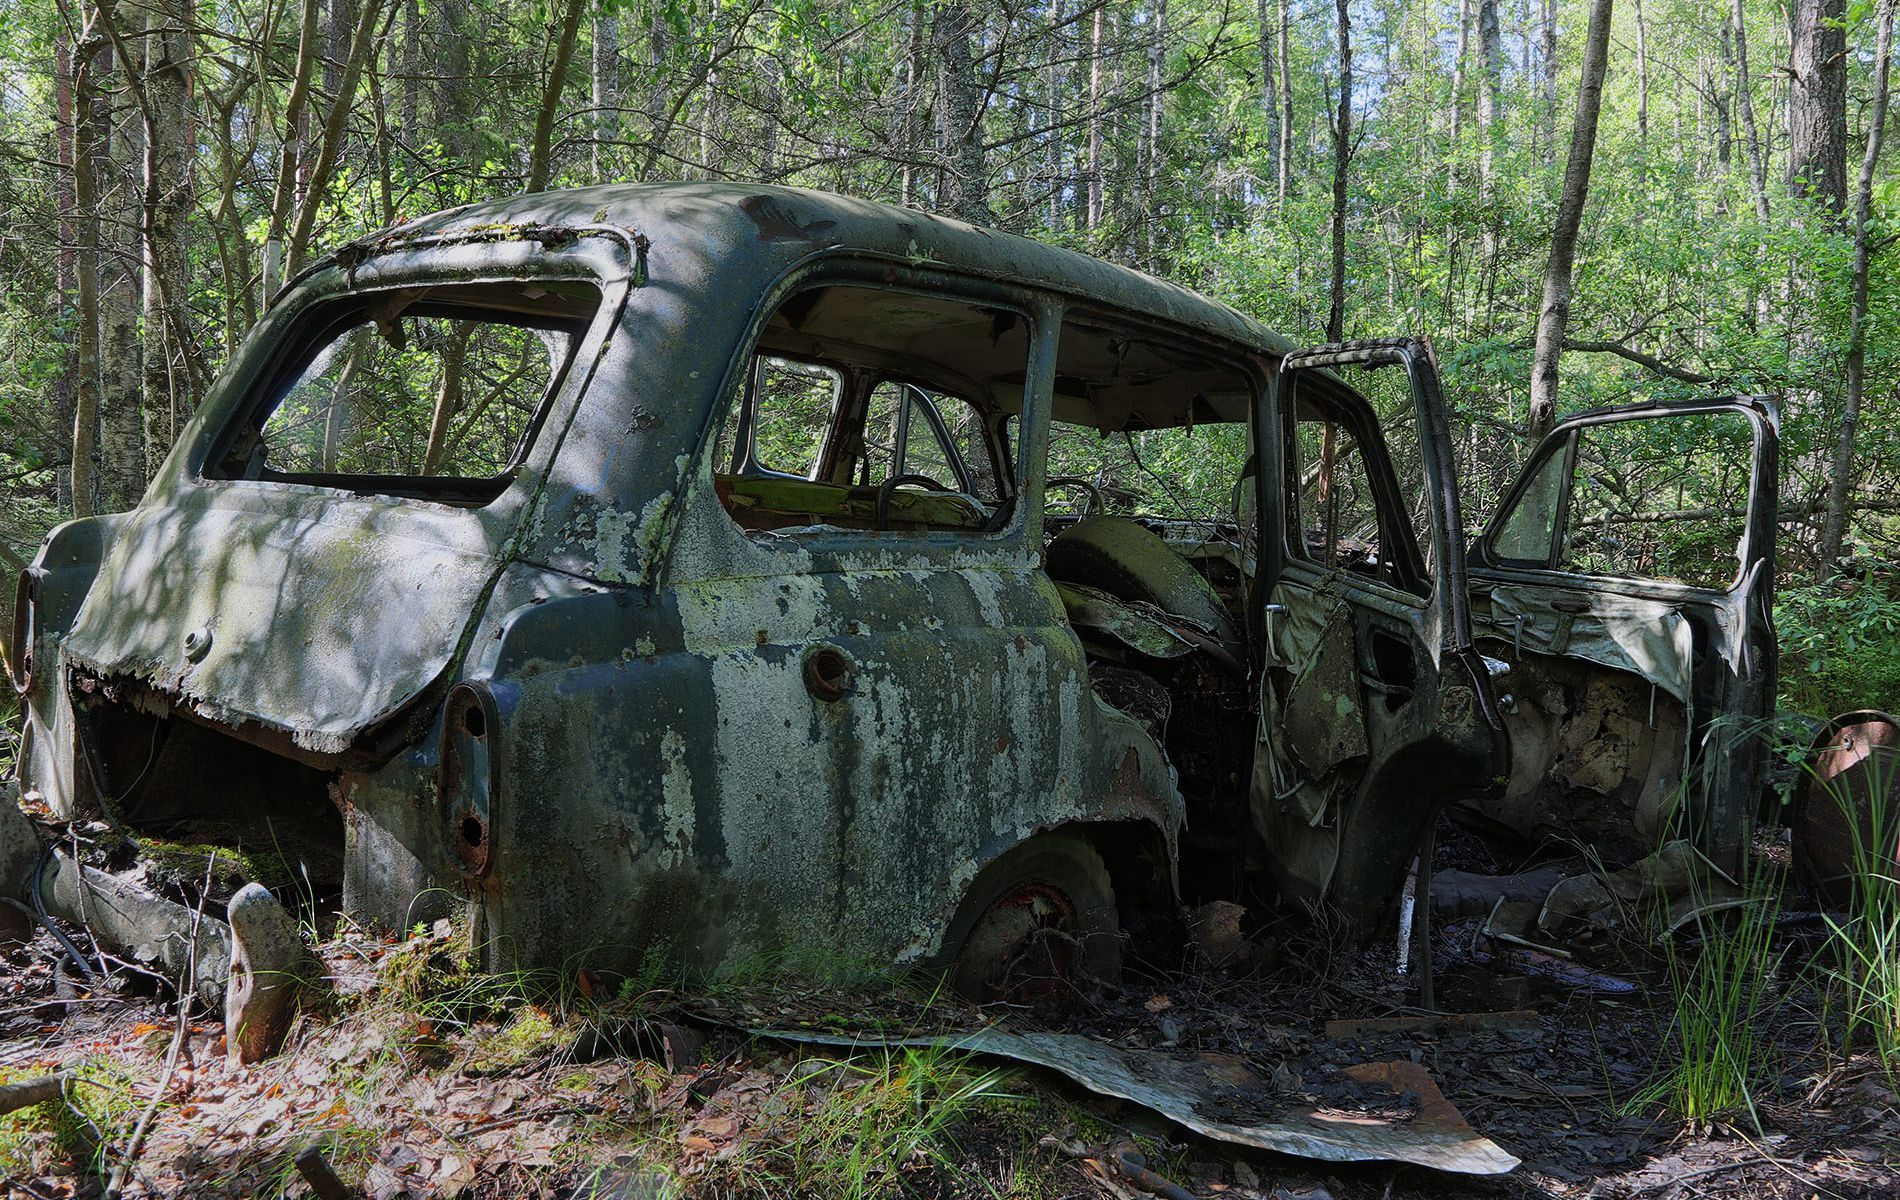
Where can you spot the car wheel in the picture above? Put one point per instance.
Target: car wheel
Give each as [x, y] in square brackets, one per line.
[1039, 920]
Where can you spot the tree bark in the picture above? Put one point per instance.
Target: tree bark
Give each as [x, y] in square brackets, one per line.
[1270, 82]
[290, 157]
[1095, 122]
[1840, 478]
[539, 164]
[83, 129]
[122, 455]
[361, 46]
[1490, 93]
[169, 159]
[1554, 318]
[1817, 103]
[1342, 161]
[959, 125]
[1642, 75]
[1758, 171]
[605, 62]
[1284, 168]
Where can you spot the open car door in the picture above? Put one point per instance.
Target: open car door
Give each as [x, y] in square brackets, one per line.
[1627, 581]
[1375, 709]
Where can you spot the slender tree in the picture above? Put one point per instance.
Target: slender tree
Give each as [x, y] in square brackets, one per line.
[1342, 163]
[1553, 319]
[1841, 471]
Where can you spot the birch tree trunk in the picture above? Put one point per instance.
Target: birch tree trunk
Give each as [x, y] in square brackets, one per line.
[605, 62]
[1270, 82]
[1642, 75]
[1490, 94]
[1285, 164]
[1553, 320]
[1841, 475]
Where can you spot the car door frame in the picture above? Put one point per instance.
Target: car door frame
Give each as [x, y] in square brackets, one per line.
[1732, 627]
[1454, 737]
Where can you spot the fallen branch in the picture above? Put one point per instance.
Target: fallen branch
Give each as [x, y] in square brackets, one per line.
[28, 1092]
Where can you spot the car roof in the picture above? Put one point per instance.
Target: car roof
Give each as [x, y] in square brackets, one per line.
[780, 225]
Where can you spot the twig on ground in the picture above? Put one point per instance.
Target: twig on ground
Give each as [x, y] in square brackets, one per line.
[187, 988]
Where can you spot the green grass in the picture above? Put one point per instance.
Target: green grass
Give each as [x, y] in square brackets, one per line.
[1723, 989]
[855, 1126]
[1866, 938]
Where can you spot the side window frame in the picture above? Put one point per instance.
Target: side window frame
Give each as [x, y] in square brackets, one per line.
[1564, 442]
[1395, 531]
[1041, 316]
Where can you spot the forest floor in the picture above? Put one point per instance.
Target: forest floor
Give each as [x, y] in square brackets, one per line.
[416, 1078]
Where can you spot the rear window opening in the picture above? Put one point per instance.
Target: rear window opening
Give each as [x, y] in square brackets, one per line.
[435, 393]
[207, 813]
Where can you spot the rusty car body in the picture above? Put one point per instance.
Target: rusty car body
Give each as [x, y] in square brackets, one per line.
[673, 678]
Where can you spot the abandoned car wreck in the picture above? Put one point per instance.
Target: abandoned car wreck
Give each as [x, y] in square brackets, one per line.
[755, 597]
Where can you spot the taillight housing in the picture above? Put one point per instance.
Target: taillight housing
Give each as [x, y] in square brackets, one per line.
[26, 599]
[470, 774]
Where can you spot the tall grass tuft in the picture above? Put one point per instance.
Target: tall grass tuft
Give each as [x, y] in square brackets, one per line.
[1866, 937]
[1723, 962]
[1721, 989]
[882, 1115]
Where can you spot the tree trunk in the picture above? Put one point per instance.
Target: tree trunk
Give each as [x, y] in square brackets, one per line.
[1554, 318]
[411, 112]
[966, 175]
[539, 164]
[1758, 170]
[290, 159]
[1841, 476]
[606, 75]
[910, 132]
[1284, 168]
[1642, 75]
[169, 157]
[1149, 217]
[122, 454]
[1342, 160]
[1547, 75]
[82, 130]
[1458, 73]
[1490, 94]
[448, 400]
[361, 46]
[1095, 123]
[1817, 103]
[1270, 82]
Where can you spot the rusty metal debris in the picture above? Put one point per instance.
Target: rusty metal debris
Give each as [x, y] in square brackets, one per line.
[1407, 1119]
[1846, 817]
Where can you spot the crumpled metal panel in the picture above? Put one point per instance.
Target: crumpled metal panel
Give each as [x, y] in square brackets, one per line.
[1186, 1090]
[1648, 637]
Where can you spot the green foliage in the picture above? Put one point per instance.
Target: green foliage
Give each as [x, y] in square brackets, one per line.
[1840, 644]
